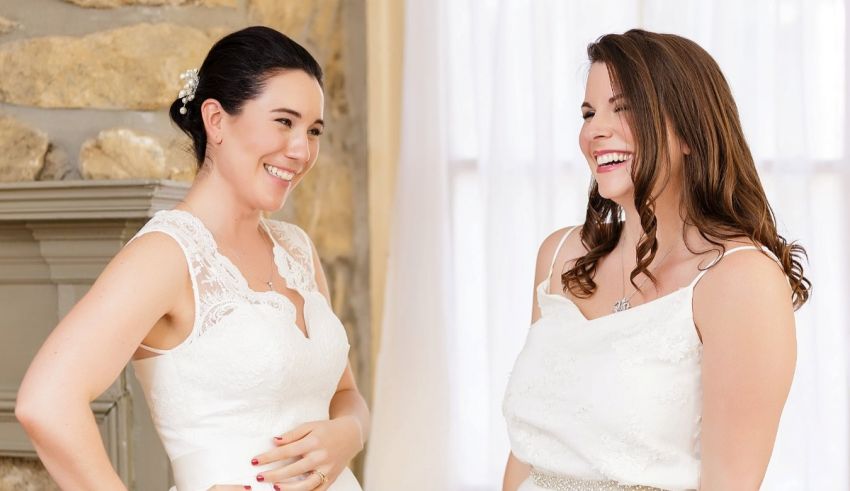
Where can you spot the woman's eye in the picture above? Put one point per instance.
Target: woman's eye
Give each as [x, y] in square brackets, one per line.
[621, 108]
[285, 121]
[587, 115]
[316, 132]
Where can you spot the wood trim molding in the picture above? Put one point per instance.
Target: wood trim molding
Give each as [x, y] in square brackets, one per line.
[111, 416]
[88, 200]
[61, 235]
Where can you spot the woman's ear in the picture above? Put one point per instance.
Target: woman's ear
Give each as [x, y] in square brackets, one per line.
[212, 113]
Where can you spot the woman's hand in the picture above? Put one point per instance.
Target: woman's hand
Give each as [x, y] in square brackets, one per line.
[322, 449]
[229, 487]
[316, 453]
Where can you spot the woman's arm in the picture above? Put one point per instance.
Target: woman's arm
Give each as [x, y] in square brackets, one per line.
[515, 473]
[347, 402]
[86, 352]
[743, 311]
[348, 405]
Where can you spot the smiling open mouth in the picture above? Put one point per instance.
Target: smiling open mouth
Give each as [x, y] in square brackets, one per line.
[612, 159]
[279, 173]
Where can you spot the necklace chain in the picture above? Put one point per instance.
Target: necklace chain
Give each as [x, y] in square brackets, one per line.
[270, 283]
[267, 238]
[624, 303]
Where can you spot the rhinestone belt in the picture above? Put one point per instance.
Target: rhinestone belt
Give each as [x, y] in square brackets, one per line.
[563, 483]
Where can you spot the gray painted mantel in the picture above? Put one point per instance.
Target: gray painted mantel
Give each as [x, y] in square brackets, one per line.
[55, 239]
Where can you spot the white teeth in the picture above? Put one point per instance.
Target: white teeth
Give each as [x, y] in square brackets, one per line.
[279, 173]
[607, 158]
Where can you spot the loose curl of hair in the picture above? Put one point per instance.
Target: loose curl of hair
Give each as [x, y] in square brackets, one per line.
[670, 81]
[235, 71]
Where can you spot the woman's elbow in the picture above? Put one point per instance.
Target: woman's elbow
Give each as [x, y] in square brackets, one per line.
[35, 407]
[30, 413]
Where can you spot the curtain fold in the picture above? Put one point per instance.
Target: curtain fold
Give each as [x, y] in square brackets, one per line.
[412, 392]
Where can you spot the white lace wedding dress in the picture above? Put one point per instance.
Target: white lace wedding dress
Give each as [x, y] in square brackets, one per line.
[246, 372]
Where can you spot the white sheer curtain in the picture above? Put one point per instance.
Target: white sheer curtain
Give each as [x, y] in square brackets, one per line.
[490, 165]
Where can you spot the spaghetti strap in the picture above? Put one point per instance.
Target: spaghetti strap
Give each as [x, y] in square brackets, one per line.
[731, 251]
[153, 350]
[558, 250]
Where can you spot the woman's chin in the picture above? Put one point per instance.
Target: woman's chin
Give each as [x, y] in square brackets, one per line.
[272, 204]
[275, 207]
[619, 194]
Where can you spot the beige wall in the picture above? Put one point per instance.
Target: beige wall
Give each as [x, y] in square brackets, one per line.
[84, 94]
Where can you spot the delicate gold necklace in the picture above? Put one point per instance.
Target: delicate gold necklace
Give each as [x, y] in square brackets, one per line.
[624, 302]
[267, 238]
[270, 283]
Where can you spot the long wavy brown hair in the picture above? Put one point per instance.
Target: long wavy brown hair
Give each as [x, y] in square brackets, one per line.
[669, 81]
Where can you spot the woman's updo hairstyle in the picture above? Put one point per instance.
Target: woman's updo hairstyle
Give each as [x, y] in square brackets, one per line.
[235, 71]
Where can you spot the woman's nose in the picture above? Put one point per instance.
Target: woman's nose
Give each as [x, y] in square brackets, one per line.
[298, 148]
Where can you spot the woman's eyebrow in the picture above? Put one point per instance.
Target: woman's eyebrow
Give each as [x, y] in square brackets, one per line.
[296, 114]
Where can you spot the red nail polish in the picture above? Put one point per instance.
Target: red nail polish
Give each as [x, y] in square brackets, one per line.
[247, 487]
[278, 438]
[260, 478]
[254, 461]
[277, 487]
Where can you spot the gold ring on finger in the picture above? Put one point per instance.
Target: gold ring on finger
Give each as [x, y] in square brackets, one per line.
[322, 476]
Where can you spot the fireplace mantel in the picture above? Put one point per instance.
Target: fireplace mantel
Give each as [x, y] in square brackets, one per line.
[55, 239]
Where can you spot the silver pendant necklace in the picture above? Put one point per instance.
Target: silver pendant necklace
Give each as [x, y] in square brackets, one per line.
[624, 302]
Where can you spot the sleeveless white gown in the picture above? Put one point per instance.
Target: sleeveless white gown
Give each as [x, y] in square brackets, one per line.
[612, 401]
[246, 372]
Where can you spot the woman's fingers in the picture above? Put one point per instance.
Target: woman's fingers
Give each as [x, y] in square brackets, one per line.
[230, 487]
[298, 468]
[295, 434]
[312, 482]
[319, 446]
[291, 450]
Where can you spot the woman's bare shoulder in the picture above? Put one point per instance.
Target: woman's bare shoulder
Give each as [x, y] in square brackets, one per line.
[560, 246]
[745, 284]
[154, 259]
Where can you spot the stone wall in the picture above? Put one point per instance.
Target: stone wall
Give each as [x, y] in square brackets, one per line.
[17, 474]
[84, 95]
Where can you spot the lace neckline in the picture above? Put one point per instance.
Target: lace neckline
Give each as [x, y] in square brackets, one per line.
[228, 264]
[282, 258]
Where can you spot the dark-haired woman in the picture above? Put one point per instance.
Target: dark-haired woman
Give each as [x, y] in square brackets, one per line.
[224, 313]
[662, 344]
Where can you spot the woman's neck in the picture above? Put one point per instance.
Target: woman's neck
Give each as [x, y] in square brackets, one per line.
[669, 224]
[214, 201]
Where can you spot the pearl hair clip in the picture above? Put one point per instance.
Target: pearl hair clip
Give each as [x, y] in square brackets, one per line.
[190, 85]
